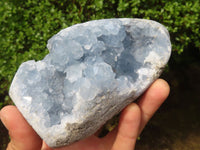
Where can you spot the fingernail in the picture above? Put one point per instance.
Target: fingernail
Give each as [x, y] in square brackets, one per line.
[132, 106]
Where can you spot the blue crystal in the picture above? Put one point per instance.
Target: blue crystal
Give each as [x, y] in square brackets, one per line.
[90, 73]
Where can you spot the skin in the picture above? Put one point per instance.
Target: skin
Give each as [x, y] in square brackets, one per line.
[132, 121]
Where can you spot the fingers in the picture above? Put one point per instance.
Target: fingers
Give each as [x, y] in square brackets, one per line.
[128, 128]
[152, 99]
[148, 104]
[132, 121]
[23, 137]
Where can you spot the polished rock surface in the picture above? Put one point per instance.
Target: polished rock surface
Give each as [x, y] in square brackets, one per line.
[89, 75]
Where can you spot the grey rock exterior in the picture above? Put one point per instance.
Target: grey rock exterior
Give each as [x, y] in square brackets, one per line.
[91, 72]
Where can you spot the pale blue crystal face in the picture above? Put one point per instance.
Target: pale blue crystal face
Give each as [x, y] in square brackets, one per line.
[89, 75]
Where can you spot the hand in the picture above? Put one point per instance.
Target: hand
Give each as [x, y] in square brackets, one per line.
[132, 121]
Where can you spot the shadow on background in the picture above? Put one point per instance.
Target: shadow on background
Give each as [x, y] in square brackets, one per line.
[4, 138]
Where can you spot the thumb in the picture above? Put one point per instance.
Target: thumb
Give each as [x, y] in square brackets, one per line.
[23, 137]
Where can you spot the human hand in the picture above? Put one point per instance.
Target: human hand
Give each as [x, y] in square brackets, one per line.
[132, 121]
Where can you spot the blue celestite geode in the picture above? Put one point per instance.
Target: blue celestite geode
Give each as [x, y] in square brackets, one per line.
[89, 75]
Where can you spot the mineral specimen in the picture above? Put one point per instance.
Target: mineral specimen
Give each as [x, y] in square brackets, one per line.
[89, 75]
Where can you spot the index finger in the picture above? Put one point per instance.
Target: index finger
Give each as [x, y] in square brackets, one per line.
[152, 99]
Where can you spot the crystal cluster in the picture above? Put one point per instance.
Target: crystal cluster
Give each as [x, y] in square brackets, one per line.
[89, 75]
